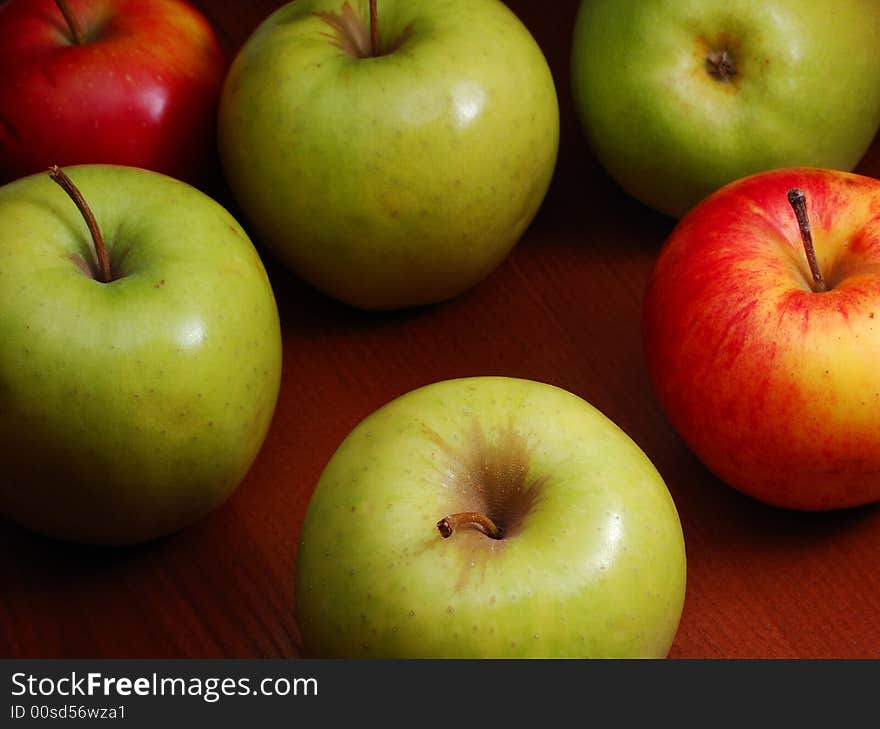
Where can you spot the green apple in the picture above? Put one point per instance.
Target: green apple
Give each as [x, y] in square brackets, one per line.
[563, 539]
[398, 177]
[128, 409]
[679, 97]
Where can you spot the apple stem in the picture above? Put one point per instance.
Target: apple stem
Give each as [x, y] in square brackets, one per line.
[374, 28]
[71, 21]
[448, 524]
[798, 201]
[57, 174]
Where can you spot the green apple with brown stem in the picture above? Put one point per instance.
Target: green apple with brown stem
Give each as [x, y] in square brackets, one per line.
[137, 380]
[391, 155]
[489, 517]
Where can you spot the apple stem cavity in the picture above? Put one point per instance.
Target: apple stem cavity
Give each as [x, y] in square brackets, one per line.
[720, 65]
[374, 28]
[448, 524]
[71, 21]
[798, 201]
[66, 184]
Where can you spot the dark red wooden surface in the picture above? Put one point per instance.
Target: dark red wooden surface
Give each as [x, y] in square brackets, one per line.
[564, 308]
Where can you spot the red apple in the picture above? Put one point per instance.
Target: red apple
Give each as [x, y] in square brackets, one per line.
[773, 382]
[140, 89]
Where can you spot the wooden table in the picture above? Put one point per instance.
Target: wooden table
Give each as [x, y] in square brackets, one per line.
[564, 308]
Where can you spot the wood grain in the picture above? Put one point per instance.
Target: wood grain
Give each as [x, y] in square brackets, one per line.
[564, 308]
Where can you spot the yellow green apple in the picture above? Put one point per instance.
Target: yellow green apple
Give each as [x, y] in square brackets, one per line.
[131, 406]
[489, 517]
[391, 176]
[680, 97]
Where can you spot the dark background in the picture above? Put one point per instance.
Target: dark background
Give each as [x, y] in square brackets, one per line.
[564, 308]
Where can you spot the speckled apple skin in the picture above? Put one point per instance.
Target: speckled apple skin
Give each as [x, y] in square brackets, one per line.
[392, 181]
[595, 568]
[130, 409]
[775, 387]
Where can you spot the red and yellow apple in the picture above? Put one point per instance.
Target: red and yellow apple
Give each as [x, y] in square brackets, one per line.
[123, 82]
[773, 382]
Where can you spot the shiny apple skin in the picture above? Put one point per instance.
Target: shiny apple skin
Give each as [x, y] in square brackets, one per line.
[775, 387]
[592, 563]
[141, 91]
[399, 180]
[131, 409]
[804, 90]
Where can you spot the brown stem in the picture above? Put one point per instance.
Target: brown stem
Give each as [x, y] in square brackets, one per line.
[71, 21]
[798, 201]
[374, 28]
[448, 524]
[57, 174]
